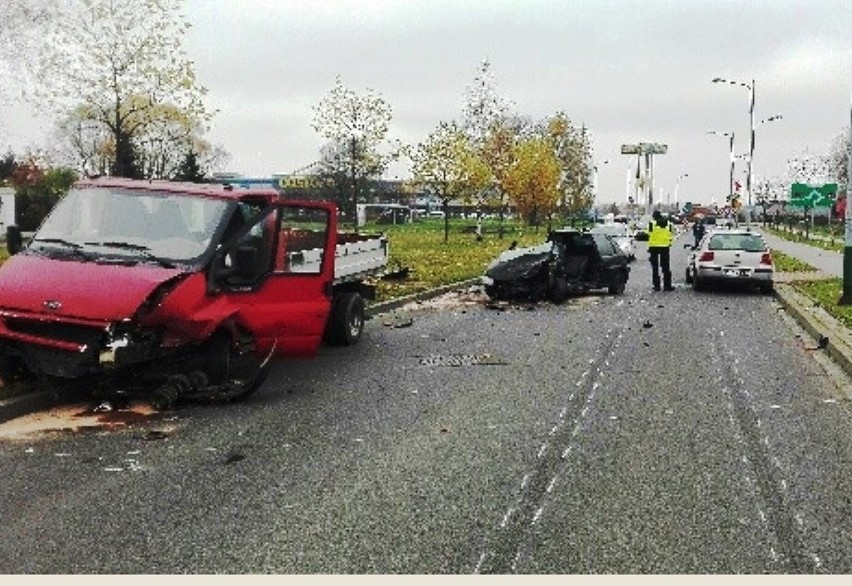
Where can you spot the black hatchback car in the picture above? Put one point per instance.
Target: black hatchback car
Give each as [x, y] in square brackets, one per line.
[570, 261]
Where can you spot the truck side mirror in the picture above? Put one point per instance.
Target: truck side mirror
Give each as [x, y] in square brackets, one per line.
[14, 240]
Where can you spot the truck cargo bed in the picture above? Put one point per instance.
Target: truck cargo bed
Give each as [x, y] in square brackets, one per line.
[356, 256]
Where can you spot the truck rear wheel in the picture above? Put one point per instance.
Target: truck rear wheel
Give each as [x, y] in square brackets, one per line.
[347, 320]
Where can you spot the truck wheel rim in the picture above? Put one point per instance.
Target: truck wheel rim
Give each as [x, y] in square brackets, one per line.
[356, 322]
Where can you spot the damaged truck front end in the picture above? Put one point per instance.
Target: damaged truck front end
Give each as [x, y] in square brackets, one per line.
[138, 288]
[57, 338]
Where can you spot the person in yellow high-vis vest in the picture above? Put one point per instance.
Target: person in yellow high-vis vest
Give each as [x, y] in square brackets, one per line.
[660, 237]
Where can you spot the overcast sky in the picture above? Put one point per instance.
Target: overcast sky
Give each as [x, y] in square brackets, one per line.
[631, 71]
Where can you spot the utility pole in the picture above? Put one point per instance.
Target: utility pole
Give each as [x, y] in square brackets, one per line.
[846, 298]
[750, 157]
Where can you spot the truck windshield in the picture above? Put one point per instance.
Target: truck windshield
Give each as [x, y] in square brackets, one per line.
[176, 228]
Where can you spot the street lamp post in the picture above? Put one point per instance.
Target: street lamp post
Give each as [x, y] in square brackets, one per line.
[750, 88]
[846, 297]
[730, 136]
[677, 184]
[752, 126]
[595, 181]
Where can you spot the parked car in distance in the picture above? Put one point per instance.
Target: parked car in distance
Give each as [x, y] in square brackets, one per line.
[569, 262]
[620, 233]
[734, 256]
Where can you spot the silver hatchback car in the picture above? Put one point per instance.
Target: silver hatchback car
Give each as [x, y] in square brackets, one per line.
[738, 256]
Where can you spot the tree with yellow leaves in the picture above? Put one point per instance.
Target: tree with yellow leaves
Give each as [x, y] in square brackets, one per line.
[447, 165]
[571, 146]
[532, 179]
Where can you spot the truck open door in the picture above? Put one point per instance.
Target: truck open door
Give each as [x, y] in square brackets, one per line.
[278, 270]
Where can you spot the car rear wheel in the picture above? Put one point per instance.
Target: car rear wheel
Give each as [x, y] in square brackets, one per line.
[618, 283]
[697, 284]
[766, 288]
[688, 276]
[559, 290]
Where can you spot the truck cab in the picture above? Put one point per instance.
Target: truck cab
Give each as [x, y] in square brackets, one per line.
[189, 288]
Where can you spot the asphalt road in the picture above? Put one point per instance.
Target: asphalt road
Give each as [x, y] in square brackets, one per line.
[652, 433]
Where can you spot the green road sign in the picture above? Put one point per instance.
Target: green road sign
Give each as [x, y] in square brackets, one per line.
[812, 196]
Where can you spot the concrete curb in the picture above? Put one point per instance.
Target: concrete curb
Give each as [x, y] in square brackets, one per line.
[386, 306]
[818, 322]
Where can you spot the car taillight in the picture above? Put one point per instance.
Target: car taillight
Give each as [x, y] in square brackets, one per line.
[706, 256]
[766, 259]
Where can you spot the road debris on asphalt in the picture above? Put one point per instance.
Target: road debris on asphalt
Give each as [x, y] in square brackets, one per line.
[74, 419]
[462, 360]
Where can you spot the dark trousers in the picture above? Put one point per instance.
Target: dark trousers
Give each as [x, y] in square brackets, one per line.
[660, 261]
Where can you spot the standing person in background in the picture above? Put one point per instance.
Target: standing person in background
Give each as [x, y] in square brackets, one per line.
[660, 237]
[698, 229]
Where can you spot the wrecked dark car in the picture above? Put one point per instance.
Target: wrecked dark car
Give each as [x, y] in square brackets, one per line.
[569, 262]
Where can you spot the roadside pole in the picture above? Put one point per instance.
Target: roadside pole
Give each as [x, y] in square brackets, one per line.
[846, 298]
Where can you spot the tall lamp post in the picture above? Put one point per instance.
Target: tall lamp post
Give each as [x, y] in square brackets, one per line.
[595, 179]
[846, 298]
[730, 136]
[752, 126]
[595, 187]
[677, 184]
[750, 88]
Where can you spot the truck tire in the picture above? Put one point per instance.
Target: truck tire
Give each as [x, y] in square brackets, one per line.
[347, 320]
[244, 373]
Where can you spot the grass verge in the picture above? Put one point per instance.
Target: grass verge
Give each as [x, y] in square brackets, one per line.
[825, 293]
[433, 262]
[785, 263]
[832, 245]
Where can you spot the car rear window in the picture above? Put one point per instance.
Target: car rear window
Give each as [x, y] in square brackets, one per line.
[611, 230]
[746, 242]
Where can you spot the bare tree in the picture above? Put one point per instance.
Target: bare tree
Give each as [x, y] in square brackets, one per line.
[120, 65]
[484, 108]
[356, 126]
[839, 159]
[492, 127]
[23, 24]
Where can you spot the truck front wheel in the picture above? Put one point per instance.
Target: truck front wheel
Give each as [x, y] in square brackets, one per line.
[242, 372]
[347, 320]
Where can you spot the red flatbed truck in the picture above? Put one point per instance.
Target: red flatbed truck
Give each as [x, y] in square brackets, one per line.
[186, 289]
